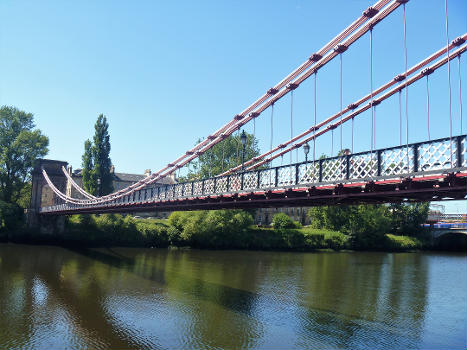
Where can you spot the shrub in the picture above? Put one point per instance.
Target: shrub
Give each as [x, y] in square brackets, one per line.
[11, 216]
[394, 242]
[210, 229]
[282, 221]
[336, 242]
[314, 241]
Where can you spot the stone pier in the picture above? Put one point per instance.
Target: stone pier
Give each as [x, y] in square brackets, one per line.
[42, 195]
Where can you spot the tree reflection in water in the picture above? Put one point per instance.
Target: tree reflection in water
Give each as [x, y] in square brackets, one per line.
[152, 298]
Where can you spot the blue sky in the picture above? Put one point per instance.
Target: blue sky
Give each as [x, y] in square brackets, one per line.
[168, 73]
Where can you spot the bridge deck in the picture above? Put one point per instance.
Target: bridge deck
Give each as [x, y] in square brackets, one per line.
[420, 172]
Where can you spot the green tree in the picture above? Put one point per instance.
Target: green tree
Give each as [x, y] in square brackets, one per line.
[96, 160]
[89, 183]
[101, 155]
[20, 145]
[407, 219]
[223, 156]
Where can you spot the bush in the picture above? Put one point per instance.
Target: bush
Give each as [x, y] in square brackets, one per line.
[114, 229]
[314, 241]
[394, 242]
[336, 242]
[153, 234]
[282, 221]
[210, 229]
[11, 217]
[367, 225]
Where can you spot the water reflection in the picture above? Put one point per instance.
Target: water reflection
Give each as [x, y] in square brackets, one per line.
[150, 298]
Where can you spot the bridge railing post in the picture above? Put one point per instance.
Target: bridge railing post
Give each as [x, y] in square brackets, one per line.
[242, 179]
[276, 177]
[202, 187]
[296, 174]
[347, 166]
[258, 178]
[320, 170]
[215, 185]
[459, 151]
[415, 158]
[378, 162]
[228, 184]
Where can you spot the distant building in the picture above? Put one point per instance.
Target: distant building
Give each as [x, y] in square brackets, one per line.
[264, 216]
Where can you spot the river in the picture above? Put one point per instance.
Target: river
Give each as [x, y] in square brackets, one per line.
[54, 297]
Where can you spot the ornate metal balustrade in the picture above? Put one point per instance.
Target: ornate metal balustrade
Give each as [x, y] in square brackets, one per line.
[417, 159]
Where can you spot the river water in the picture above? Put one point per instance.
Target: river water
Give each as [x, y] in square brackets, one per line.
[53, 297]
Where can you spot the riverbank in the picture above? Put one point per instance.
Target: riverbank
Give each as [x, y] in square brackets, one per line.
[208, 230]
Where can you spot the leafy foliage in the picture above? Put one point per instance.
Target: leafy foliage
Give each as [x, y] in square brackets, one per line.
[211, 229]
[89, 178]
[282, 221]
[10, 216]
[115, 229]
[407, 219]
[223, 156]
[20, 146]
[96, 160]
[395, 242]
[368, 224]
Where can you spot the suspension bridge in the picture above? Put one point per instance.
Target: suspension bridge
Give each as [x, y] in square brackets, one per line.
[435, 169]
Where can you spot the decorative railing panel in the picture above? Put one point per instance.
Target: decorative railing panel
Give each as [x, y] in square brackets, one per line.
[396, 161]
[286, 176]
[333, 169]
[440, 155]
[363, 165]
[250, 180]
[308, 172]
[437, 155]
[209, 186]
[221, 184]
[267, 178]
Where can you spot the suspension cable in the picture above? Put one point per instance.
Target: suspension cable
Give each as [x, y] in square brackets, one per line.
[449, 78]
[291, 121]
[227, 129]
[76, 186]
[371, 92]
[272, 129]
[238, 147]
[406, 94]
[352, 132]
[223, 153]
[332, 143]
[161, 174]
[428, 106]
[379, 90]
[314, 128]
[254, 129]
[400, 117]
[373, 109]
[358, 111]
[460, 91]
[340, 56]
[210, 161]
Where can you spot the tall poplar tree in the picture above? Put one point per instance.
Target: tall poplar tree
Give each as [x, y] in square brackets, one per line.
[101, 155]
[96, 160]
[89, 181]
